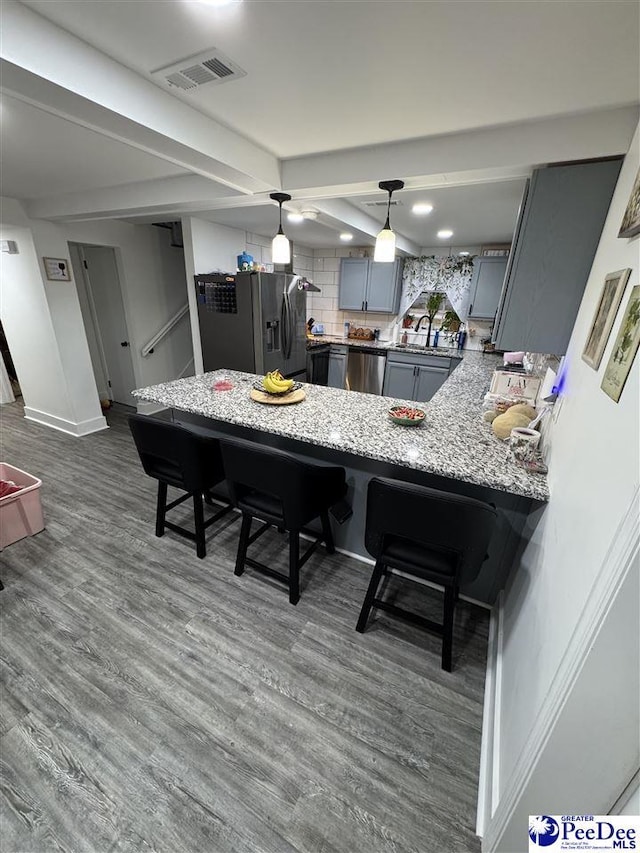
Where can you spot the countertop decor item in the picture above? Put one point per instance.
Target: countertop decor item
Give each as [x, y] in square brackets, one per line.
[523, 444]
[361, 334]
[630, 225]
[406, 415]
[624, 349]
[295, 396]
[605, 314]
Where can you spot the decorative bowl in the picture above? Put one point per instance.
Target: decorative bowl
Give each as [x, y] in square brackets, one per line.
[260, 387]
[406, 415]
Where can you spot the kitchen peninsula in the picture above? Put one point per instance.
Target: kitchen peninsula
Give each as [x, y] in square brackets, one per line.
[453, 450]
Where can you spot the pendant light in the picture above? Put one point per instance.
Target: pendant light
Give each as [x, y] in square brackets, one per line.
[385, 251]
[280, 246]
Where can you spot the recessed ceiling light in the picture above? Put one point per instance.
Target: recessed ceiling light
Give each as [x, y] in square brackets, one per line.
[220, 2]
[445, 234]
[346, 236]
[421, 208]
[463, 254]
[295, 217]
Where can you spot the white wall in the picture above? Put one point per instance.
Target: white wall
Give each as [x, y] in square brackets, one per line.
[563, 581]
[153, 283]
[52, 362]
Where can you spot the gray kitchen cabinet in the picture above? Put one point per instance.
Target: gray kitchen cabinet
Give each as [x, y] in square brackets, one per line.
[558, 230]
[354, 273]
[413, 376]
[369, 286]
[428, 380]
[486, 287]
[399, 381]
[337, 367]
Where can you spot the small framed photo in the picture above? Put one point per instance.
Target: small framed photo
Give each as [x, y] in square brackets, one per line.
[605, 314]
[630, 225]
[624, 349]
[57, 269]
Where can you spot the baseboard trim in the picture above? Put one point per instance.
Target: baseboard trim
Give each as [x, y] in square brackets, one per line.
[69, 427]
[617, 563]
[488, 781]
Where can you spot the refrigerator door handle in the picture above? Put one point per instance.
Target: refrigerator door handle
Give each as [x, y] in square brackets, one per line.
[284, 322]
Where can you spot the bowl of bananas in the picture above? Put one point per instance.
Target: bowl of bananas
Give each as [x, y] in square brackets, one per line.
[275, 384]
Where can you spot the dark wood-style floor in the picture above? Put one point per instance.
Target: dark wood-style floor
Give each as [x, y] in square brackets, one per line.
[154, 702]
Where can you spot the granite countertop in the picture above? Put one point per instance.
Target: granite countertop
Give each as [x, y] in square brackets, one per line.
[453, 441]
[388, 346]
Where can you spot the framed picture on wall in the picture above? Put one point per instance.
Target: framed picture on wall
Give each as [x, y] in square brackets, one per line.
[57, 269]
[630, 225]
[614, 285]
[624, 349]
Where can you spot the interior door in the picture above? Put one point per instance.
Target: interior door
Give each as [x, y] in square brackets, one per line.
[103, 285]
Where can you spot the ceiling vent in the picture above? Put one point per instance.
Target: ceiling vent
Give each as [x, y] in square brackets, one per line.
[189, 74]
[394, 203]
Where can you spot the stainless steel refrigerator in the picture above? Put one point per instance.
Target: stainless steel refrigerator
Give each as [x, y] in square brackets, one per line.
[255, 322]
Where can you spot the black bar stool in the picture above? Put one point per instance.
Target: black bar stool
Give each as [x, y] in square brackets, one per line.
[431, 535]
[175, 456]
[284, 492]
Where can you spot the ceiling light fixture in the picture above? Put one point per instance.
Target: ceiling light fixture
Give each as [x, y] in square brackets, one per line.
[464, 254]
[220, 2]
[421, 208]
[346, 236]
[385, 251]
[280, 246]
[445, 234]
[295, 217]
[312, 215]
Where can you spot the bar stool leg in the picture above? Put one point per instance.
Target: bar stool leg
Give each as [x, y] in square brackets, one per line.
[376, 577]
[243, 543]
[447, 626]
[294, 567]
[327, 535]
[198, 514]
[161, 508]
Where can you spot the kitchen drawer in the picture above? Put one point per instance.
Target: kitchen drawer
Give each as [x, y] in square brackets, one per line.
[419, 360]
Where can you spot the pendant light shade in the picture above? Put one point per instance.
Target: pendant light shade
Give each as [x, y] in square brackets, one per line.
[280, 246]
[385, 251]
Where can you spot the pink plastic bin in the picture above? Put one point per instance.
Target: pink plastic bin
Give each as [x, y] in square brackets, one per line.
[21, 512]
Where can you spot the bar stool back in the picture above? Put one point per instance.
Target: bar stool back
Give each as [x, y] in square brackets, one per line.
[284, 492]
[175, 456]
[428, 534]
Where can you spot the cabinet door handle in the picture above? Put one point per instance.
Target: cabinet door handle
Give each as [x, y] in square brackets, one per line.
[362, 307]
[470, 308]
[366, 305]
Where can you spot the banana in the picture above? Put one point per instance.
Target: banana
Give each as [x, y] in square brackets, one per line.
[275, 383]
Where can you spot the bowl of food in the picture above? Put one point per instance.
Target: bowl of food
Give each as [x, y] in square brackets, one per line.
[406, 415]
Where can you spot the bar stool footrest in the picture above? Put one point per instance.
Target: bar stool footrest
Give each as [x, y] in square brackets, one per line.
[408, 616]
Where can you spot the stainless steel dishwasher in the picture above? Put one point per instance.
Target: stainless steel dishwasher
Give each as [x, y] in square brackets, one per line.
[365, 369]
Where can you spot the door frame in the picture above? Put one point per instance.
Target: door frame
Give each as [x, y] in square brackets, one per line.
[98, 331]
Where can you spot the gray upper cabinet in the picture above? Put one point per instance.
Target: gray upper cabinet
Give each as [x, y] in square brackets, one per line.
[556, 238]
[354, 273]
[486, 287]
[369, 286]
